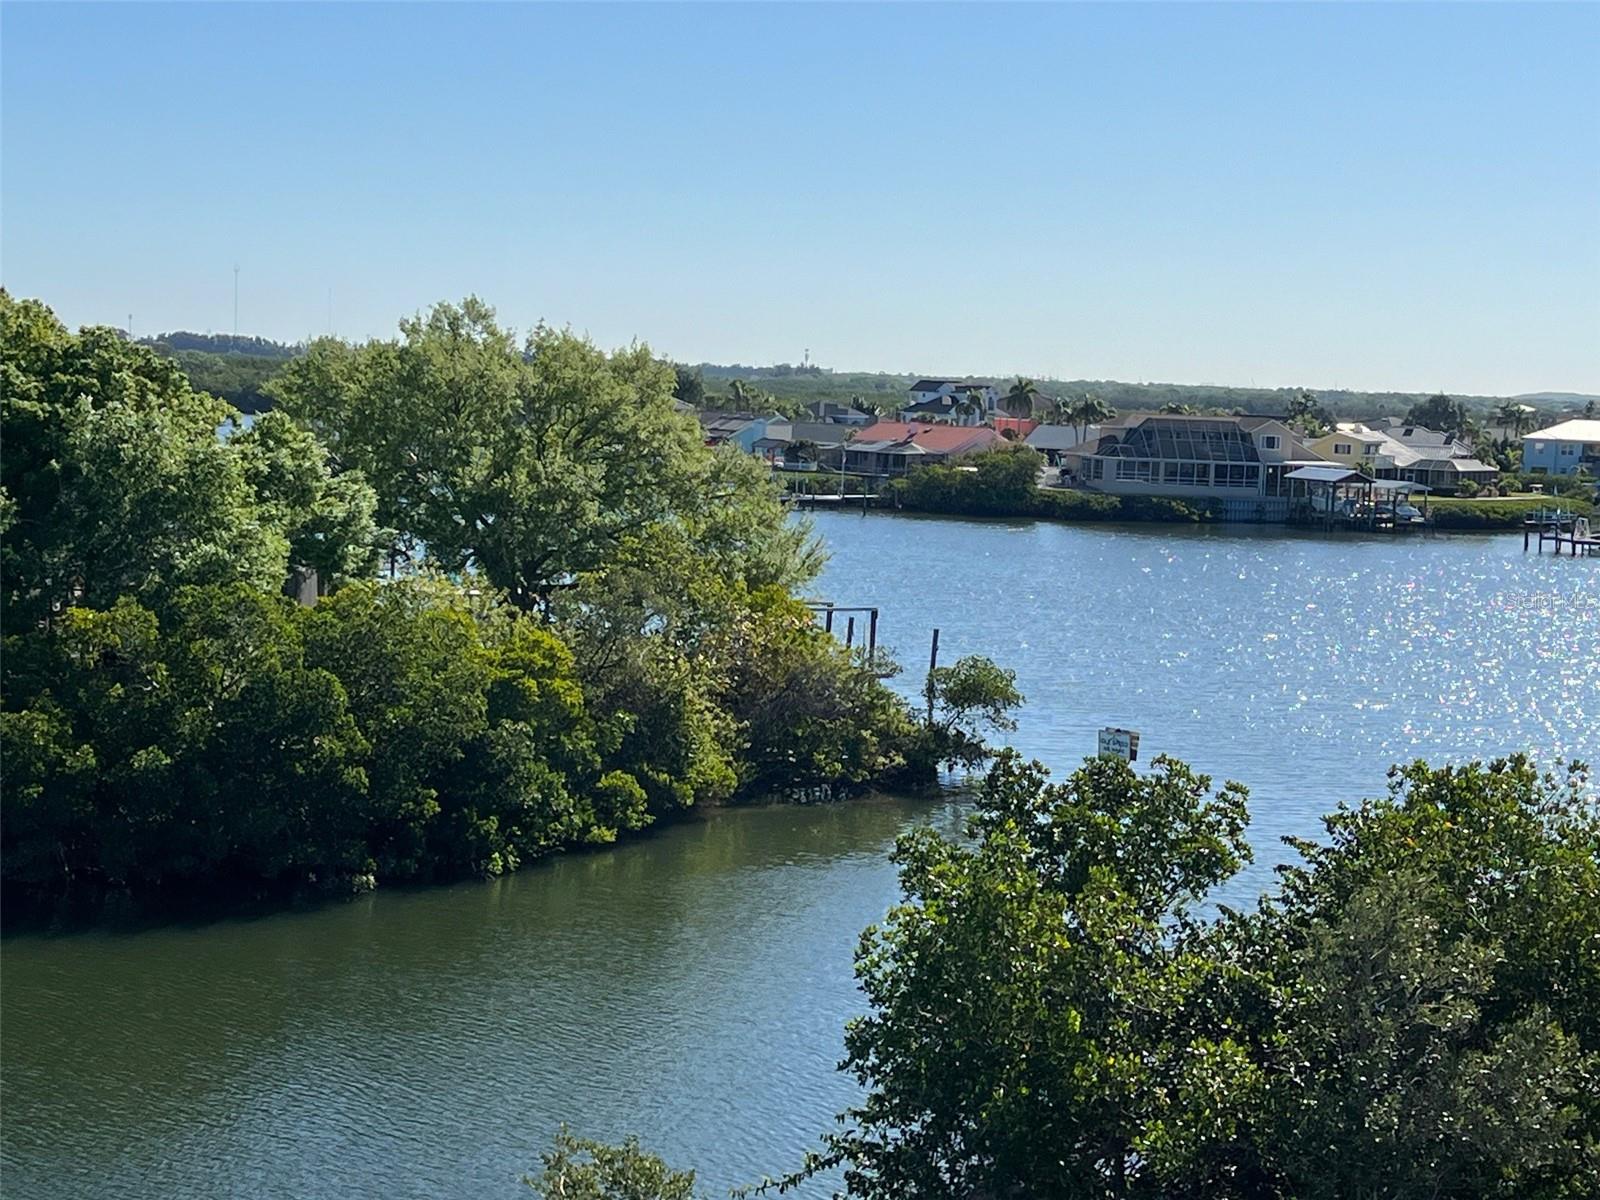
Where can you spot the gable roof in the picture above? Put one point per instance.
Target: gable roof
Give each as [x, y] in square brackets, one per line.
[1568, 431]
[723, 424]
[1057, 437]
[914, 437]
[823, 433]
[1329, 474]
[961, 385]
[828, 408]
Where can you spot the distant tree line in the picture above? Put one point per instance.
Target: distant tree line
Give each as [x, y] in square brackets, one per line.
[225, 343]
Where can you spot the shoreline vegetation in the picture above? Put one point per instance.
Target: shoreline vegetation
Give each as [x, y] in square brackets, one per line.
[603, 631]
[1004, 483]
[1057, 1009]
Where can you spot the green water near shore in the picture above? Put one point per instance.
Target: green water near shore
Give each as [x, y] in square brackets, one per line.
[692, 986]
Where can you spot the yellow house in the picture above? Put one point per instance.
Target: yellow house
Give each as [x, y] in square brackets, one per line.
[1358, 448]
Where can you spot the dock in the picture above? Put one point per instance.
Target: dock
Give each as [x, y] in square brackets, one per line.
[1559, 528]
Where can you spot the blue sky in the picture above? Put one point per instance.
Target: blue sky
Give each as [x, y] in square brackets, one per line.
[1366, 196]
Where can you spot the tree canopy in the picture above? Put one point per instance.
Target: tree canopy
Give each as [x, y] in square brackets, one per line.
[1414, 1013]
[1440, 413]
[171, 719]
[115, 481]
[531, 462]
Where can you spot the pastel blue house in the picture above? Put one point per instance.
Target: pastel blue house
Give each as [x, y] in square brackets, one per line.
[1562, 449]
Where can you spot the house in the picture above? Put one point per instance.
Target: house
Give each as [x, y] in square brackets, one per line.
[1563, 449]
[1227, 458]
[734, 429]
[937, 399]
[1410, 453]
[1360, 447]
[945, 410]
[895, 447]
[1051, 440]
[840, 414]
[781, 433]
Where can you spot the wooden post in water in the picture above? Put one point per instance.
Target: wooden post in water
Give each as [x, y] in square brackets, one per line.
[849, 633]
[872, 632]
[933, 665]
[827, 624]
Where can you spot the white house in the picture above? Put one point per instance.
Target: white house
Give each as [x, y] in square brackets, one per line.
[1563, 449]
[936, 393]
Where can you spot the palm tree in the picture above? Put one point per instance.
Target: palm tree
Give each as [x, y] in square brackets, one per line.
[1088, 410]
[1173, 409]
[740, 394]
[1019, 401]
[971, 404]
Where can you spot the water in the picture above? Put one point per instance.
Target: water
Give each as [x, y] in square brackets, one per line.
[692, 986]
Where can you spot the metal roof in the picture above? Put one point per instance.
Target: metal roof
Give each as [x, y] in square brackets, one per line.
[1329, 474]
[1568, 431]
[1399, 485]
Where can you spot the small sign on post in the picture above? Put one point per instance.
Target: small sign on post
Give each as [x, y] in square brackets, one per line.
[1119, 743]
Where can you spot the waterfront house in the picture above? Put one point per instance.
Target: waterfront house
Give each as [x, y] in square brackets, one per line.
[734, 429]
[827, 436]
[1238, 460]
[1408, 453]
[895, 447]
[832, 412]
[939, 400]
[1052, 440]
[1563, 449]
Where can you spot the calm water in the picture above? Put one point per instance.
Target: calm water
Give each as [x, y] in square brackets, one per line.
[692, 986]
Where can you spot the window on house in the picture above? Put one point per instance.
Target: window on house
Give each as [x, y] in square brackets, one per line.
[1539, 447]
[1343, 448]
[1568, 449]
[1269, 441]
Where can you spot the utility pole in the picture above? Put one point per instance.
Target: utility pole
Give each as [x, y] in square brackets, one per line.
[130, 327]
[235, 306]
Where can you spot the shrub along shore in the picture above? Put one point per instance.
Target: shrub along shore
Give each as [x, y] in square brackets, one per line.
[1004, 483]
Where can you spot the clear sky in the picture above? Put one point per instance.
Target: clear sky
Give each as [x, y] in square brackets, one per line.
[1372, 196]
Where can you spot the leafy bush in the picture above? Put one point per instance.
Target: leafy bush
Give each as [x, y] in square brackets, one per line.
[578, 1169]
[1501, 513]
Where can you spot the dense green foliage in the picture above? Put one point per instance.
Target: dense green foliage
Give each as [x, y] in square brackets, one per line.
[116, 484]
[1415, 1012]
[611, 638]
[240, 379]
[576, 1169]
[231, 368]
[534, 462]
[1504, 513]
[1442, 413]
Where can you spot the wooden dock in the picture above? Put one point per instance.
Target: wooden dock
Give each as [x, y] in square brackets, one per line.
[1560, 529]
